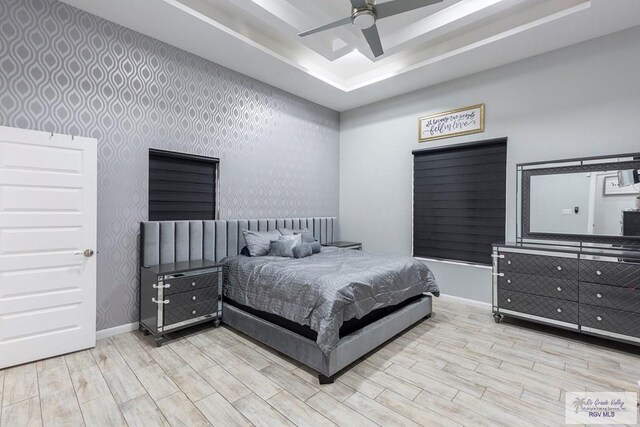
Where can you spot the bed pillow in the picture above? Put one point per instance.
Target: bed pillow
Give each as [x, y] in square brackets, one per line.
[258, 242]
[286, 232]
[295, 237]
[315, 247]
[302, 250]
[283, 247]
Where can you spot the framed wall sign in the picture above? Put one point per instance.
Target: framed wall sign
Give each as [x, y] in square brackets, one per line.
[463, 121]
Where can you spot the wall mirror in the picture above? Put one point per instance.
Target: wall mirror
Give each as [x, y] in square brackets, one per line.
[591, 200]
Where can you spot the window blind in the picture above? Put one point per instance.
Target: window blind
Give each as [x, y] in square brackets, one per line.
[459, 197]
[181, 186]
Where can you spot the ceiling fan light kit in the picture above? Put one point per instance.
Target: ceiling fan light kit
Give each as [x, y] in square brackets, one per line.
[364, 15]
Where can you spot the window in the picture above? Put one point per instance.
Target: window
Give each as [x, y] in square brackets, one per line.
[459, 197]
[181, 186]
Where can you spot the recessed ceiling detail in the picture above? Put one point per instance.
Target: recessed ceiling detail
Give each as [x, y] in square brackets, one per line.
[336, 67]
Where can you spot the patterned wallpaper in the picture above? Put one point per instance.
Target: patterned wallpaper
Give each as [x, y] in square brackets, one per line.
[67, 71]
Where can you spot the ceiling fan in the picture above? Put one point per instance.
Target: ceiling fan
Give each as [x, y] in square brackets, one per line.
[364, 15]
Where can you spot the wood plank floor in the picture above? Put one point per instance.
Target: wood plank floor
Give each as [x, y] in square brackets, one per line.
[457, 368]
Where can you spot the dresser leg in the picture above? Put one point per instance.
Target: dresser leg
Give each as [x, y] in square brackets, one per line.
[497, 317]
[159, 341]
[216, 323]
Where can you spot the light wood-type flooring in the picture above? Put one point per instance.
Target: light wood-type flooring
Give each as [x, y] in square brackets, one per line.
[457, 368]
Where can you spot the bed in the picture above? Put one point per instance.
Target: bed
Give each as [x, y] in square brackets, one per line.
[325, 311]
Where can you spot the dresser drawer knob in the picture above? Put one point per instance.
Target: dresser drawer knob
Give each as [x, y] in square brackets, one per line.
[193, 283]
[559, 289]
[599, 273]
[599, 318]
[509, 262]
[508, 299]
[508, 280]
[193, 312]
[193, 298]
[598, 295]
[559, 310]
[559, 268]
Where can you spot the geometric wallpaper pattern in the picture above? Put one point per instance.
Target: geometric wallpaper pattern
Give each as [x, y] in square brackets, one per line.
[70, 72]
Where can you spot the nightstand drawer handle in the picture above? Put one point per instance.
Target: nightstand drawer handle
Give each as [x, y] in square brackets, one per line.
[160, 302]
[155, 286]
[599, 318]
[559, 289]
[599, 273]
[598, 295]
[559, 310]
[193, 312]
[193, 298]
[508, 299]
[559, 268]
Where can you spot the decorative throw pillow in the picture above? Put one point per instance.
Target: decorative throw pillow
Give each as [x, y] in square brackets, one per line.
[295, 237]
[286, 232]
[307, 235]
[282, 247]
[302, 250]
[315, 247]
[258, 242]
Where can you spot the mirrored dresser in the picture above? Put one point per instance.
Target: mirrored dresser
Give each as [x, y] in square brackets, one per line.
[574, 263]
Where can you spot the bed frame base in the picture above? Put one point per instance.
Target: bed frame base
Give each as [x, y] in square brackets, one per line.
[349, 348]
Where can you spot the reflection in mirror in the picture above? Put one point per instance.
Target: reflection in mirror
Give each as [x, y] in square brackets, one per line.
[586, 203]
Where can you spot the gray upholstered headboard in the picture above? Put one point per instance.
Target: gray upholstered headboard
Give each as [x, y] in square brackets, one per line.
[175, 241]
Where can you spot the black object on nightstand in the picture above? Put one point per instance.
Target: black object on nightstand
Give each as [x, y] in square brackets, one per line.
[345, 245]
[178, 295]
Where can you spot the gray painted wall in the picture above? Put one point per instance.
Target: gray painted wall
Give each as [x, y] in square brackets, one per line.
[66, 71]
[583, 100]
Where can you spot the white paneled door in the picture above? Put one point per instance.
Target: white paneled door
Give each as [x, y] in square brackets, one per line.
[47, 244]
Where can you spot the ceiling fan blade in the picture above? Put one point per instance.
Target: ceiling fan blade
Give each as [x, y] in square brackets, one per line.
[359, 4]
[390, 8]
[373, 38]
[335, 24]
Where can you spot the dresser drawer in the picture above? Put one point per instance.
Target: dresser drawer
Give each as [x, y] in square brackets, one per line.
[198, 296]
[551, 308]
[610, 273]
[607, 319]
[539, 285]
[538, 265]
[177, 314]
[190, 283]
[626, 299]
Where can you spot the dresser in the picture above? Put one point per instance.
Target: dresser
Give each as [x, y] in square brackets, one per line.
[179, 295]
[593, 291]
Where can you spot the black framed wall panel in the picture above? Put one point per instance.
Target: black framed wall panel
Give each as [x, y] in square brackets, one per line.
[181, 186]
[459, 200]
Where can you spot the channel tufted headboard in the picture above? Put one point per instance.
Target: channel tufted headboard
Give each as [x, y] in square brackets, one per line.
[164, 242]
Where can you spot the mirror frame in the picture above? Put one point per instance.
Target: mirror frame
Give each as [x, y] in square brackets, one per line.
[588, 164]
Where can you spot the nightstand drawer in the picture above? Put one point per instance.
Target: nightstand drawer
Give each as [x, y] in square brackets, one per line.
[190, 283]
[198, 296]
[538, 265]
[606, 319]
[610, 273]
[178, 314]
[540, 285]
[626, 299]
[551, 308]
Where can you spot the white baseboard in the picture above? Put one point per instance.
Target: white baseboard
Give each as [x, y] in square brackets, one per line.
[106, 333]
[467, 301]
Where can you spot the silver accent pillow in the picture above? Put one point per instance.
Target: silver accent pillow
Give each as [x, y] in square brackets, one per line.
[258, 242]
[283, 247]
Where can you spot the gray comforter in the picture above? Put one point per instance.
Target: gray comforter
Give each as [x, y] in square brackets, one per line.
[326, 289]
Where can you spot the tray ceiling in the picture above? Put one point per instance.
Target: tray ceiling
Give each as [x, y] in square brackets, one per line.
[335, 68]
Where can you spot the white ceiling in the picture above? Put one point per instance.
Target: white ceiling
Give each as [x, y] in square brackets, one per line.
[335, 68]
